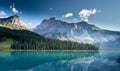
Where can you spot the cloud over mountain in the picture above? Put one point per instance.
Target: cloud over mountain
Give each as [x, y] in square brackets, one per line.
[14, 10]
[85, 14]
[3, 14]
[67, 15]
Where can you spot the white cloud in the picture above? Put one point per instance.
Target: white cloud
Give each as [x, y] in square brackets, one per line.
[2, 13]
[67, 15]
[50, 9]
[14, 10]
[85, 13]
[11, 6]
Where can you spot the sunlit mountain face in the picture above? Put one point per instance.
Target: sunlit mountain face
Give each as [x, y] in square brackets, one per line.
[80, 32]
[13, 22]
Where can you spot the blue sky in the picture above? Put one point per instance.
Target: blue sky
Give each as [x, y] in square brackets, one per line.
[102, 13]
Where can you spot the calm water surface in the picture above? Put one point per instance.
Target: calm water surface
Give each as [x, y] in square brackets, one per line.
[59, 61]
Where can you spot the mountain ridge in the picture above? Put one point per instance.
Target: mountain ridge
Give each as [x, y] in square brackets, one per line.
[13, 22]
[81, 32]
[12, 38]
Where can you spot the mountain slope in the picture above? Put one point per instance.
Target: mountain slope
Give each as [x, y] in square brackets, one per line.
[27, 40]
[13, 22]
[78, 32]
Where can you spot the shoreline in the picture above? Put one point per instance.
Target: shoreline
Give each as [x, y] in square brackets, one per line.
[49, 50]
[66, 50]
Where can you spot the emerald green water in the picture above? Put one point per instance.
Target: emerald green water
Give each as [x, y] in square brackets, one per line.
[59, 61]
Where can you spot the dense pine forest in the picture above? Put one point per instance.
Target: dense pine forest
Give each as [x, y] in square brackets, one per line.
[27, 40]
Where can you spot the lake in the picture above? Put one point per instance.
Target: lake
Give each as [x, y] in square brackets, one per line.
[59, 60]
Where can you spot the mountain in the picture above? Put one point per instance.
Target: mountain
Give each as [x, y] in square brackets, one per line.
[13, 35]
[81, 32]
[13, 22]
[27, 40]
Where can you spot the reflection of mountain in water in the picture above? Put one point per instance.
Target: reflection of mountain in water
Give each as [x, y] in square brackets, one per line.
[26, 60]
[104, 61]
[59, 61]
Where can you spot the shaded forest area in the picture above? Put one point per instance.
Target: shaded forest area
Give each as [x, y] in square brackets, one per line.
[28, 40]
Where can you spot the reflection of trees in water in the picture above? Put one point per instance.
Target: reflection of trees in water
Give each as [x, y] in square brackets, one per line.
[69, 60]
[45, 56]
[29, 59]
[118, 59]
[104, 61]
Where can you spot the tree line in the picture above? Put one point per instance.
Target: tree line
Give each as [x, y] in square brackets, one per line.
[27, 40]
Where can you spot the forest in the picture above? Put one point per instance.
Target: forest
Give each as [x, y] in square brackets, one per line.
[28, 40]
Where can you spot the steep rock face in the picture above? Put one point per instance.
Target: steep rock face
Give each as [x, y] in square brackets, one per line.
[13, 22]
[78, 32]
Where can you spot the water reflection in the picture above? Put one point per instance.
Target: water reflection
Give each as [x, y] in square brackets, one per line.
[59, 61]
[41, 60]
[102, 61]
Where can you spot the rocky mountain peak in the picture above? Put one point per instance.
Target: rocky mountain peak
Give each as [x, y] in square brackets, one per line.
[52, 18]
[14, 16]
[83, 22]
[13, 22]
[81, 32]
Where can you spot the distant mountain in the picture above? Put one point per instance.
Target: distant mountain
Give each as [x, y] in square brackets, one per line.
[14, 35]
[27, 40]
[78, 32]
[13, 22]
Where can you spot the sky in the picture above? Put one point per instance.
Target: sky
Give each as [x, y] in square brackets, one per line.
[102, 13]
